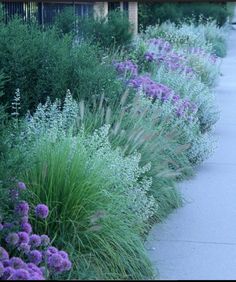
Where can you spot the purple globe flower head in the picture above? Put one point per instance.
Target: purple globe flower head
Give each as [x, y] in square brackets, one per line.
[41, 211]
[52, 250]
[22, 208]
[24, 219]
[23, 237]
[127, 67]
[12, 239]
[35, 240]
[149, 56]
[8, 273]
[1, 269]
[26, 227]
[21, 185]
[34, 268]
[35, 257]
[63, 254]
[45, 240]
[6, 263]
[55, 260]
[66, 264]
[16, 263]
[21, 274]
[24, 248]
[36, 276]
[43, 270]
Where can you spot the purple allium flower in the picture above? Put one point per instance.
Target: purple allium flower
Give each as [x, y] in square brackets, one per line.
[24, 219]
[6, 263]
[45, 240]
[63, 254]
[35, 240]
[12, 239]
[66, 264]
[1, 269]
[26, 227]
[22, 208]
[34, 267]
[21, 185]
[35, 257]
[41, 211]
[8, 273]
[127, 67]
[24, 247]
[21, 274]
[149, 56]
[23, 237]
[55, 260]
[16, 263]
[52, 250]
[43, 270]
[36, 276]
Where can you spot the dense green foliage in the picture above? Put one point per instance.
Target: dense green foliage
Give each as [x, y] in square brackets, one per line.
[110, 32]
[41, 64]
[153, 13]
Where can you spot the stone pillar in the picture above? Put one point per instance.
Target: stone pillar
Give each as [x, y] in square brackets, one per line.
[100, 9]
[133, 16]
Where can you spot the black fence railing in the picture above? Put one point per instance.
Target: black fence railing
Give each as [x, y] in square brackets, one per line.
[42, 12]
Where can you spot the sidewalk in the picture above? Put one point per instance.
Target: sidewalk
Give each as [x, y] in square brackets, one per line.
[198, 241]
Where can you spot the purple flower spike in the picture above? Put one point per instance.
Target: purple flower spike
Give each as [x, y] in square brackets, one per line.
[41, 211]
[35, 257]
[1, 227]
[22, 208]
[21, 185]
[12, 239]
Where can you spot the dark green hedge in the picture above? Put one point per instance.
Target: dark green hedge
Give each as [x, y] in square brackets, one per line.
[153, 13]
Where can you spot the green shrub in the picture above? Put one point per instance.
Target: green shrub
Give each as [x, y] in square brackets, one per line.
[110, 32]
[153, 13]
[42, 64]
[65, 21]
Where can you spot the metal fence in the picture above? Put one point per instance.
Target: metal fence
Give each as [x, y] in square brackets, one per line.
[42, 12]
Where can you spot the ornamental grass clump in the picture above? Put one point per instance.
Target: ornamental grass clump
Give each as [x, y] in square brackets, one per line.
[98, 197]
[26, 256]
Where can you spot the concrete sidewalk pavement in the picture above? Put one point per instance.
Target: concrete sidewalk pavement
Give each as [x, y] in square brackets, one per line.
[198, 241]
